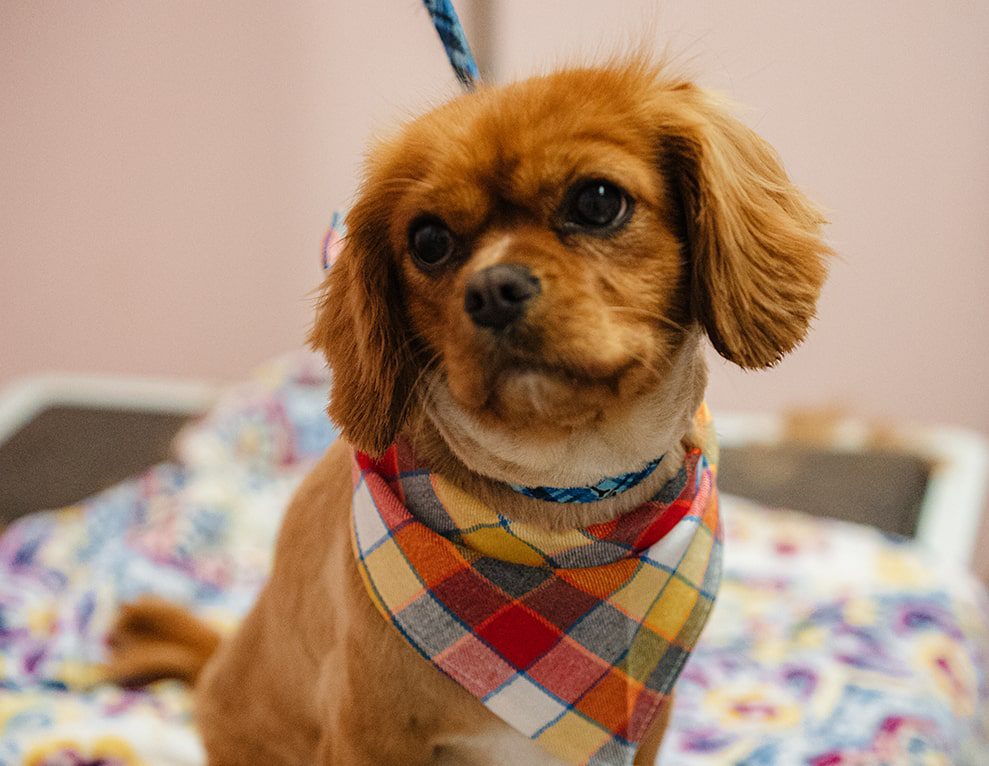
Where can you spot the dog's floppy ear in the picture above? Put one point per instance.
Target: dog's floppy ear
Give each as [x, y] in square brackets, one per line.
[757, 258]
[360, 328]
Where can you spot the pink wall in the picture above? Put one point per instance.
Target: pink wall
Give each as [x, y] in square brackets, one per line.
[168, 171]
[881, 110]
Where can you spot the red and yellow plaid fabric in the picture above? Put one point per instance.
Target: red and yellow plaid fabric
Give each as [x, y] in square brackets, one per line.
[572, 637]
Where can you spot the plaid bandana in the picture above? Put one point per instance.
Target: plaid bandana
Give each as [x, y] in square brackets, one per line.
[572, 637]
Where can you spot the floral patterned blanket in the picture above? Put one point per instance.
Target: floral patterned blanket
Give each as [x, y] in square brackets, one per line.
[830, 644]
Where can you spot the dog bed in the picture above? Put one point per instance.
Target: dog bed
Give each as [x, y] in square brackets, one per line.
[830, 643]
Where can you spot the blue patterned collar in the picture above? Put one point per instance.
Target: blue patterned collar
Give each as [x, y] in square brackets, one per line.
[609, 487]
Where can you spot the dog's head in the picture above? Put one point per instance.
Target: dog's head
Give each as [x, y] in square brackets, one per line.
[535, 256]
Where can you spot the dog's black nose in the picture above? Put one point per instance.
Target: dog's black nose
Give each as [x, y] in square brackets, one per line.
[498, 295]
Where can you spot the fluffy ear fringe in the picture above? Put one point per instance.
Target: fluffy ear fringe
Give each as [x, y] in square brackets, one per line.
[360, 328]
[757, 255]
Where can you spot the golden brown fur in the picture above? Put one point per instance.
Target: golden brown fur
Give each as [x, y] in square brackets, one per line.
[602, 374]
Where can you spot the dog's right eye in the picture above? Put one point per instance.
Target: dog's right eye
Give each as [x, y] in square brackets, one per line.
[430, 243]
[596, 207]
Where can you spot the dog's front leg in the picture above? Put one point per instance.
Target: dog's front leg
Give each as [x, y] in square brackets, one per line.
[340, 747]
[349, 738]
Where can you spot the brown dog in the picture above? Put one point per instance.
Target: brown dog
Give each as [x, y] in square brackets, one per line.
[527, 278]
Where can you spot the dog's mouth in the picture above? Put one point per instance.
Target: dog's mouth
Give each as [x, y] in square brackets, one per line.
[522, 390]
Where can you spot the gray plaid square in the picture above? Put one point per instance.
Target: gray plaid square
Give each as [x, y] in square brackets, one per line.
[612, 752]
[606, 632]
[440, 629]
[668, 670]
[422, 501]
[598, 554]
[515, 579]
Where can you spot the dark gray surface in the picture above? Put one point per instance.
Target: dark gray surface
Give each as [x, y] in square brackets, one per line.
[67, 453]
[880, 488]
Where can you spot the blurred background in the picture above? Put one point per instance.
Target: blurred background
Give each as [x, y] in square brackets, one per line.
[168, 169]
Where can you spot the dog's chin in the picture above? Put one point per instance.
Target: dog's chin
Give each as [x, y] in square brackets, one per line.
[525, 398]
[542, 400]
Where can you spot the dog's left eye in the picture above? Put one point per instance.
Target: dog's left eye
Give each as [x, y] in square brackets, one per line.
[430, 243]
[597, 205]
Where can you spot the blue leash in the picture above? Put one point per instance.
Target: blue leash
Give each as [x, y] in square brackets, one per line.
[454, 41]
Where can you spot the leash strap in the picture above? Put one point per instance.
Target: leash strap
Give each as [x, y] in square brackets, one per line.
[454, 40]
[458, 51]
